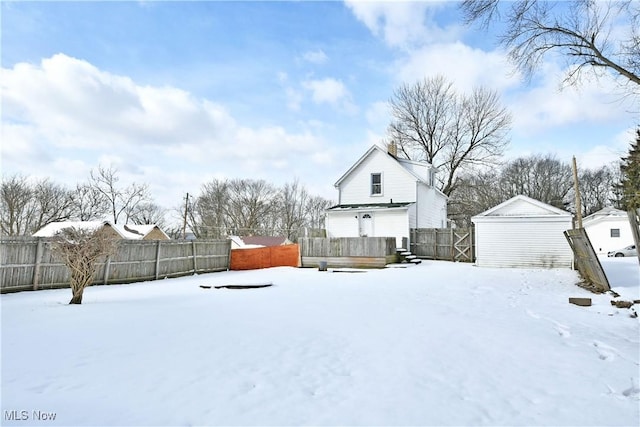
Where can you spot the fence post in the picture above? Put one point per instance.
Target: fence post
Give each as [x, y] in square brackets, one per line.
[157, 272]
[36, 267]
[107, 267]
[452, 248]
[193, 250]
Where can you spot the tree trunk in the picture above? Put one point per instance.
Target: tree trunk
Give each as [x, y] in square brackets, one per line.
[635, 228]
[77, 297]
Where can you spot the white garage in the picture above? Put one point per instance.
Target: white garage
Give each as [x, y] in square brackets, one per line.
[523, 232]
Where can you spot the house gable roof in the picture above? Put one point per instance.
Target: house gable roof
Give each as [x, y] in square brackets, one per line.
[522, 206]
[394, 159]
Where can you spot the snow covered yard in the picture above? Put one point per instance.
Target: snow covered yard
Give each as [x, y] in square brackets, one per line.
[435, 344]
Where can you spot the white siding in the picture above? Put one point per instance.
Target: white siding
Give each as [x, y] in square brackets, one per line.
[397, 184]
[432, 208]
[386, 223]
[392, 223]
[342, 224]
[599, 232]
[523, 242]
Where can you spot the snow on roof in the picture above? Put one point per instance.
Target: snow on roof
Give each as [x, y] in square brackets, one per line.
[605, 213]
[126, 231]
[53, 228]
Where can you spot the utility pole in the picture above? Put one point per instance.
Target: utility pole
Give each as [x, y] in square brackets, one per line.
[184, 222]
[576, 188]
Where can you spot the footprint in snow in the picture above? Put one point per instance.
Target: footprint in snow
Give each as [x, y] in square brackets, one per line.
[562, 330]
[633, 391]
[532, 314]
[604, 351]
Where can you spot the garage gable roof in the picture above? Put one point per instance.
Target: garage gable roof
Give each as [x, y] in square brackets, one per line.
[522, 207]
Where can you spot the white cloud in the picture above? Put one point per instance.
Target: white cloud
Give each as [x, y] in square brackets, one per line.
[378, 114]
[463, 65]
[545, 105]
[609, 152]
[330, 91]
[294, 98]
[65, 116]
[402, 24]
[315, 56]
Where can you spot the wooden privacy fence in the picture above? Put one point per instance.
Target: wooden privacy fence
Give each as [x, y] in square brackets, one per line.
[587, 261]
[369, 252]
[28, 263]
[273, 256]
[450, 244]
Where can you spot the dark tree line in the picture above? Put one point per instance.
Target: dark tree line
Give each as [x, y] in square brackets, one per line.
[254, 207]
[26, 205]
[541, 177]
[224, 207]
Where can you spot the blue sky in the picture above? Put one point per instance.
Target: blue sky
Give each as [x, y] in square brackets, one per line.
[174, 94]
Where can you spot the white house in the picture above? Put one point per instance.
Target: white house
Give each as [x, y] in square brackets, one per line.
[608, 230]
[523, 232]
[382, 195]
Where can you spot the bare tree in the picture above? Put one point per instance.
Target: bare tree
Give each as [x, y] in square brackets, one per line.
[206, 217]
[596, 188]
[432, 122]
[292, 201]
[15, 206]
[250, 203]
[26, 207]
[595, 36]
[121, 201]
[315, 211]
[477, 192]
[52, 202]
[89, 203]
[80, 250]
[541, 177]
[148, 213]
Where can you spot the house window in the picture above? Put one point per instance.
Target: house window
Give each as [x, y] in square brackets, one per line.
[615, 232]
[376, 184]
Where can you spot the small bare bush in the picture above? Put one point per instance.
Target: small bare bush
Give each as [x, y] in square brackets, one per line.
[80, 250]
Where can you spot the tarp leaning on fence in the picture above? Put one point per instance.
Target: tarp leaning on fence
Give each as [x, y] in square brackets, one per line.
[272, 256]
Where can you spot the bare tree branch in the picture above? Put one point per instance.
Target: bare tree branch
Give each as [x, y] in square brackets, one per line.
[451, 131]
[598, 36]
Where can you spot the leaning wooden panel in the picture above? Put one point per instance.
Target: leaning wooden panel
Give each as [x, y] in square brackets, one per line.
[587, 261]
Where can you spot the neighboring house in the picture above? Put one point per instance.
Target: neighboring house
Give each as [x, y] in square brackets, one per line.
[608, 230]
[382, 195]
[248, 242]
[523, 232]
[121, 231]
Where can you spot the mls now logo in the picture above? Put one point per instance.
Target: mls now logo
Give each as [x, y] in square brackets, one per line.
[16, 415]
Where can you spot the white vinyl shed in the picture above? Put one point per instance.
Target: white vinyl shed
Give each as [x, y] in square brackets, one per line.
[523, 232]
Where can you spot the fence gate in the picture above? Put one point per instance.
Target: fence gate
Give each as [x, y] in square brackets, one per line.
[450, 244]
[587, 261]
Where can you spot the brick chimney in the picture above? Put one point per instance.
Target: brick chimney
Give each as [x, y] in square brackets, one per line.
[392, 149]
